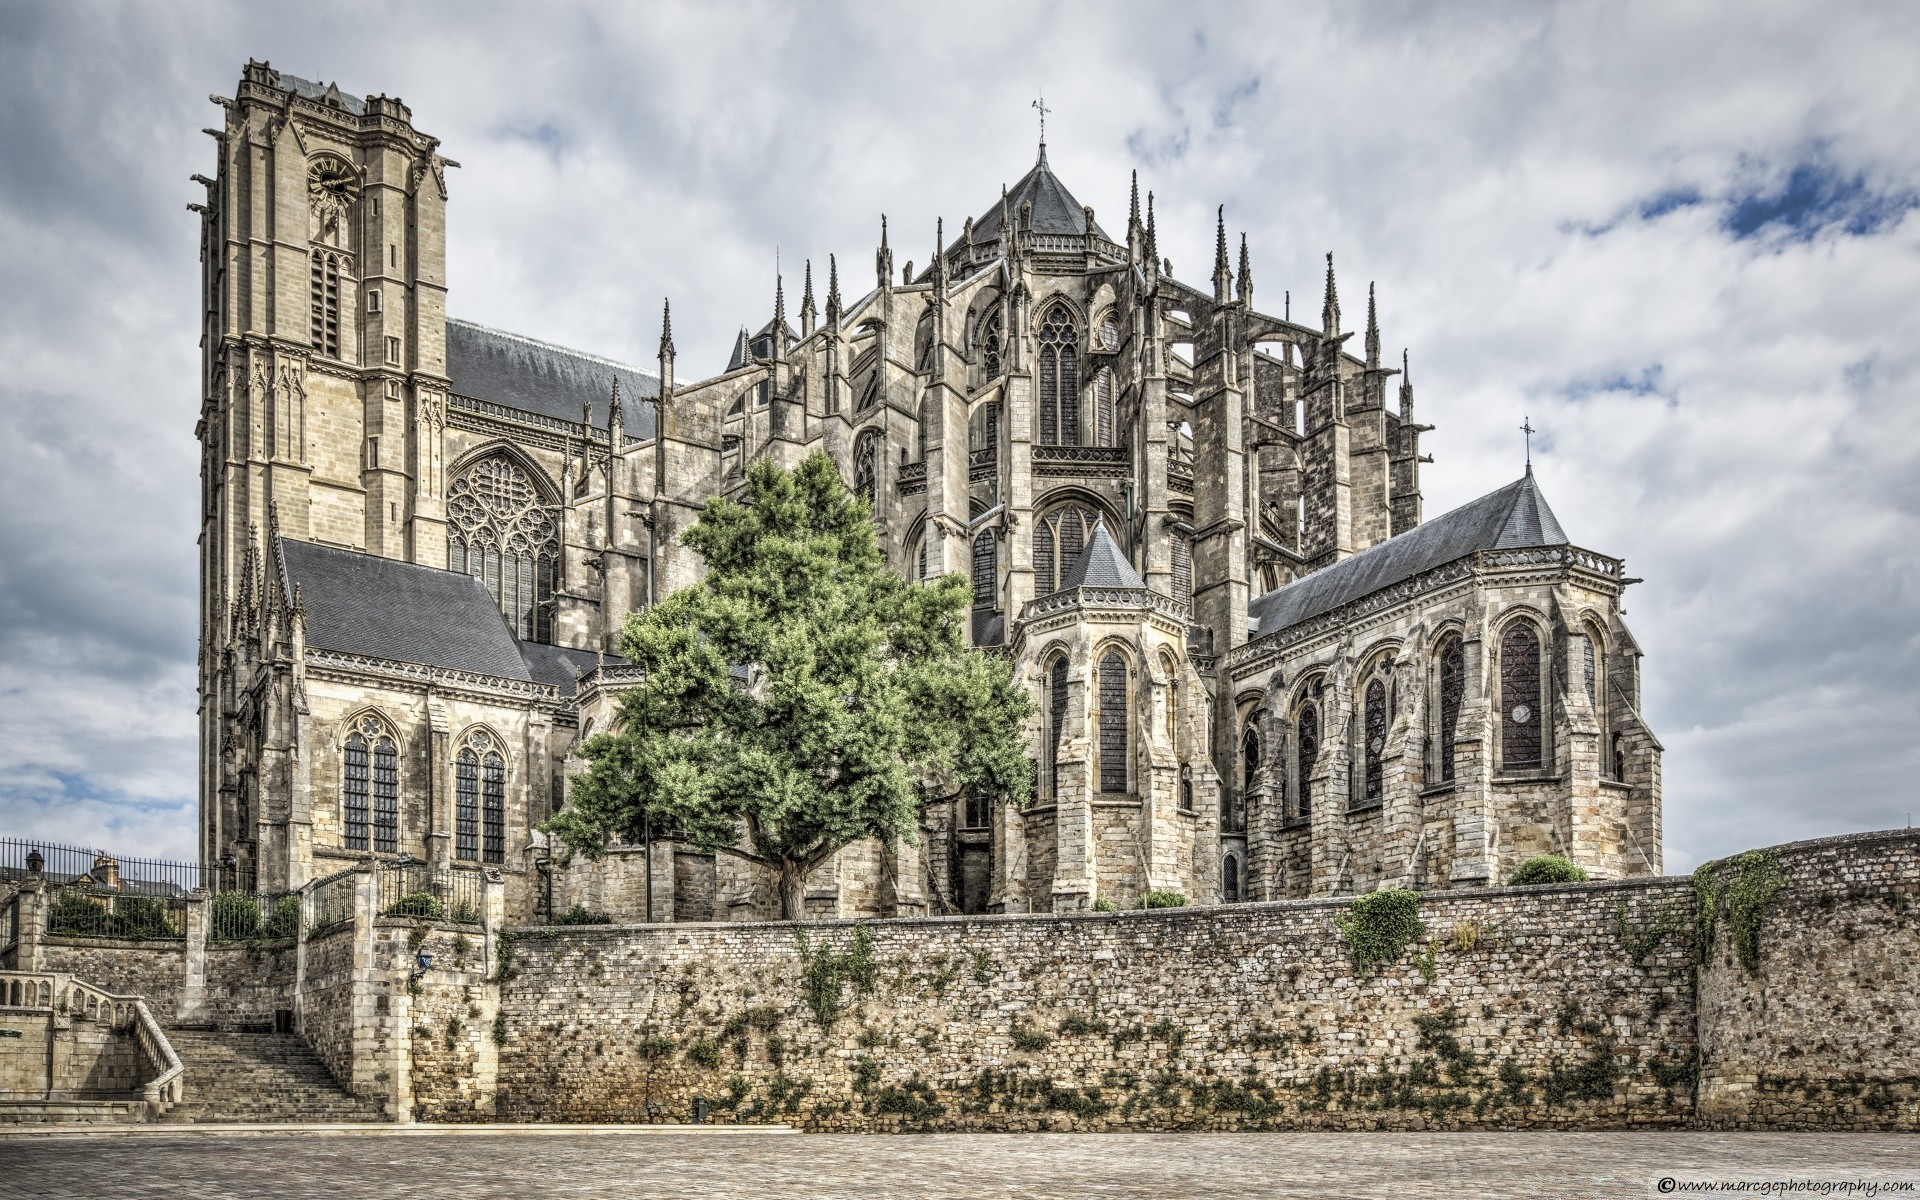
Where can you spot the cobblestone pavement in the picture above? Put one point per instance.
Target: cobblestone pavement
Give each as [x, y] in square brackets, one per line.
[716, 1166]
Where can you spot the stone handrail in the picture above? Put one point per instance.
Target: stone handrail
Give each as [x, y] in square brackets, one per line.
[54, 991]
[168, 1087]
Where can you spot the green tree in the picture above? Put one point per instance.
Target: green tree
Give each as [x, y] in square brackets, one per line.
[801, 697]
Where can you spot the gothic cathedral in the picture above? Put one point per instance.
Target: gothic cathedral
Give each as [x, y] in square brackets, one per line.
[1194, 528]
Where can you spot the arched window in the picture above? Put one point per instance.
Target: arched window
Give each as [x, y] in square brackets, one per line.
[920, 560]
[986, 562]
[1113, 722]
[324, 287]
[1057, 720]
[499, 530]
[1589, 670]
[480, 801]
[1103, 407]
[1453, 684]
[990, 344]
[1230, 879]
[1520, 715]
[1250, 751]
[1186, 788]
[1309, 749]
[1058, 539]
[1617, 764]
[1109, 327]
[1376, 733]
[370, 791]
[920, 434]
[1171, 671]
[1059, 380]
[865, 452]
[1182, 569]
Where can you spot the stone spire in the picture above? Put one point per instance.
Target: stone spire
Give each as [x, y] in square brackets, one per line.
[883, 257]
[1246, 274]
[833, 291]
[939, 271]
[666, 349]
[779, 314]
[806, 301]
[1153, 244]
[1330, 309]
[614, 428]
[1406, 389]
[1373, 331]
[1222, 274]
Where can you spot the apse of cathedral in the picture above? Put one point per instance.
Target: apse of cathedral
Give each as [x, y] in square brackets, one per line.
[1194, 528]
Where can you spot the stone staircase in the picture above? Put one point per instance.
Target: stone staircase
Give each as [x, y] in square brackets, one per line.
[259, 1077]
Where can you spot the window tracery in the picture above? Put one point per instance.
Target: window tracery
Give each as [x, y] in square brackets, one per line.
[1309, 749]
[480, 801]
[370, 789]
[1059, 380]
[1058, 539]
[986, 561]
[499, 531]
[1250, 751]
[1103, 407]
[990, 344]
[1376, 734]
[1520, 715]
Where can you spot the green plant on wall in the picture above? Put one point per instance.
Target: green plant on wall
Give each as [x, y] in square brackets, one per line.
[1380, 926]
[825, 975]
[1547, 868]
[1643, 941]
[1755, 882]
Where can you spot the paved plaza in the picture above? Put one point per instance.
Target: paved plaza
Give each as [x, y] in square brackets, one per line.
[714, 1165]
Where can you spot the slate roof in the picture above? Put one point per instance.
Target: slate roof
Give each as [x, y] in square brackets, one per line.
[535, 376]
[383, 608]
[318, 91]
[1101, 565]
[1054, 208]
[1515, 516]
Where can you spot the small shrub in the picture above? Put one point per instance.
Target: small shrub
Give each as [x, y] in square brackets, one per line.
[580, 914]
[1163, 900]
[654, 1046]
[1103, 905]
[1546, 868]
[233, 917]
[1380, 926]
[1025, 1038]
[1466, 935]
[283, 919]
[704, 1052]
[424, 905]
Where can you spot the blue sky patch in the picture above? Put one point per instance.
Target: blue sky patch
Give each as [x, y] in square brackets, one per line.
[1814, 197]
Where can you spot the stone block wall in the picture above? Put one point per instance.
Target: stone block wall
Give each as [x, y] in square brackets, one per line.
[247, 985]
[1820, 1031]
[326, 1001]
[154, 971]
[73, 1055]
[1515, 1009]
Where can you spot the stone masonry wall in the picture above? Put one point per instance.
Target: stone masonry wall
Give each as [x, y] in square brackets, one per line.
[154, 971]
[1516, 1009]
[1820, 1032]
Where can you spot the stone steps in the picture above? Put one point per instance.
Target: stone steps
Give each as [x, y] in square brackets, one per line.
[259, 1077]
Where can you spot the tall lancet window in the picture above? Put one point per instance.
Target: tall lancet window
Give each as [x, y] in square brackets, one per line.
[1056, 720]
[1058, 539]
[1182, 569]
[1113, 722]
[1376, 734]
[990, 344]
[1520, 716]
[1103, 407]
[865, 452]
[500, 529]
[1453, 686]
[1059, 380]
[480, 801]
[370, 791]
[1308, 743]
[986, 563]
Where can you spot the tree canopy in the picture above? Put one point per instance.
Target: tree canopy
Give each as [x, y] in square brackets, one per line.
[799, 698]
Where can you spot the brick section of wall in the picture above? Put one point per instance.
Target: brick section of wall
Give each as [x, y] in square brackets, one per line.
[1820, 1034]
[1223, 1018]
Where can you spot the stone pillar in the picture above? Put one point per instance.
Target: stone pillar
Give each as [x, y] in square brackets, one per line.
[32, 899]
[660, 864]
[193, 987]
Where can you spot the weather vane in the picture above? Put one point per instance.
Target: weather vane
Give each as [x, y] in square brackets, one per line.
[1041, 106]
[1526, 427]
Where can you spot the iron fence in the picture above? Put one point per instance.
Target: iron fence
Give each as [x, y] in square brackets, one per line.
[10, 924]
[330, 903]
[85, 911]
[244, 917]
[80, 866]
[418, 890]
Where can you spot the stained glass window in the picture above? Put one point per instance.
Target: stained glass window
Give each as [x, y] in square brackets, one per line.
[1103, 407]
[1057, 718]
[1059, 380]
[466, 805]
[1309, 749]
[493, 807]
[1250, 752]
[386, 796]
[1182, 569]
[1520, 715]
[1590, 669]
[1376, 733]
[1113, 722]
[499, 530]
[864, 454]
[1058, 539]
[990, 345]
[1453, 681]
[355, 793]
[986, 559]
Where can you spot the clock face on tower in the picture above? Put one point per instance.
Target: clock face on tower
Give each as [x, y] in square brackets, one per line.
[332, 184]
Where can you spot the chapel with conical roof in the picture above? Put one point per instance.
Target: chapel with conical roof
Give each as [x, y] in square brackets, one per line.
[1193, 527]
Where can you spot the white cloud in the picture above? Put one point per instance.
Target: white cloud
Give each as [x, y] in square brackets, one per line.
[1734, 416]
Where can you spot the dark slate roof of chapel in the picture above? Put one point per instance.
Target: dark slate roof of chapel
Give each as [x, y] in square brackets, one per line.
[1514, 517]
[383, 608]
[318, 91]
[1054, 208]
[535, 376]
[1101, 565]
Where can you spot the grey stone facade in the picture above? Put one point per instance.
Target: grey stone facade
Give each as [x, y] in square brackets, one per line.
[421, 538]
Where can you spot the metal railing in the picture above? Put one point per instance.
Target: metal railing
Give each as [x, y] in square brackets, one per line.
[418, 890]
[245, 917]
[330, 903]
[83, 911]
[97, 869]
[10, 924]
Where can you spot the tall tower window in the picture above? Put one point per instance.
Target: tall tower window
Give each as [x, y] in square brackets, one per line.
[1059, 380]
[1113, 722]
[1373, 786]
[1182, 569]
[1520, 715]
[1453, 680]
[1309, 749]
[1103, 407]
[865, 452]
[990, 345]
[1058, 539]
[500, 531]
[986, 561]
[324, 293]
[1250, 752]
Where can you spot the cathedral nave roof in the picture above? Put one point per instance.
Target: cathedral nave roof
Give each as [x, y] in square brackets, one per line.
[539, 377]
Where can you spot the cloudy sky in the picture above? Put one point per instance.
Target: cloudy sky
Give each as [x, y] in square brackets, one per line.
[1681, 238]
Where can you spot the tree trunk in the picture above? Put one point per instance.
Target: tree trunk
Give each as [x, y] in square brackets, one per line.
[793, 890]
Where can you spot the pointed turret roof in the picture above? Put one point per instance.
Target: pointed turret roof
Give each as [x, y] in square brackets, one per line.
[1054, 208]
[1515, 517]
[1101, 565]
